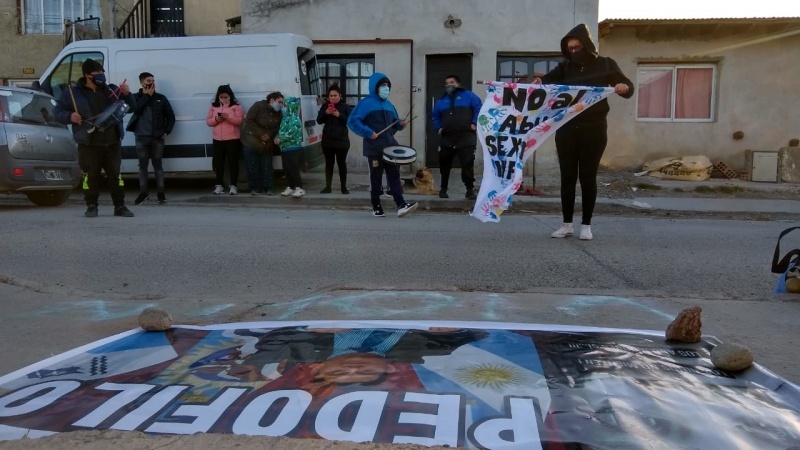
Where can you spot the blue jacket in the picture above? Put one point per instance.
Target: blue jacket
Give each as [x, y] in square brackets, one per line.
[454, 115]
[373, 114]
[64, 108]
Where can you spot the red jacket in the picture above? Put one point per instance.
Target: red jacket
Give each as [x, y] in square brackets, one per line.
[228, 129]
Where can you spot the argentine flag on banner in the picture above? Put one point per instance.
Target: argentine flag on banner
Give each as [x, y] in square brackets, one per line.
[485, 372]
[514, 121]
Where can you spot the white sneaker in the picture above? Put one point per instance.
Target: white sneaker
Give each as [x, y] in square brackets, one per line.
[233, 190]
[287, 192]
[564, 231]
[406, 209]
[299, 192]
[218, 189]
[586, 233]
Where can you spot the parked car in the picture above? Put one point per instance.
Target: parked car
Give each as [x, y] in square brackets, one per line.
[38, 156]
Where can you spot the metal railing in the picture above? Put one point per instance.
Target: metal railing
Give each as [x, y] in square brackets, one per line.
[137, 24]
[153, 18]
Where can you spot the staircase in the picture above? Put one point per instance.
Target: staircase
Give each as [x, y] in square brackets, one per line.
[153, 18]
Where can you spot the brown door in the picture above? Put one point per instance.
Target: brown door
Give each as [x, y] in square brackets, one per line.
[438, 67]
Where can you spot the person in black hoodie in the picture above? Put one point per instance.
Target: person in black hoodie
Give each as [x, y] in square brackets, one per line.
[580, 143]
[335, 138]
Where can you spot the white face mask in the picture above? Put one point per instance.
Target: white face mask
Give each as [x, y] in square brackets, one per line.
[225, 102]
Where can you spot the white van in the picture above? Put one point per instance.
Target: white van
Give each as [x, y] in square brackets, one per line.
[188, 71]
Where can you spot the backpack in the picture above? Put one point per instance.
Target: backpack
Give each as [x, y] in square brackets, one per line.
[788, 266]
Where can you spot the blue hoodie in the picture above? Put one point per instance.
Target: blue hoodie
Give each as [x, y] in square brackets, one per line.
[373, 114]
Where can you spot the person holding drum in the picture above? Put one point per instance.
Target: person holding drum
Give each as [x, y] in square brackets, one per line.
[95, 109]
[335, 138]
[151, 123]
[455, 118]
[224, 116]
[375, 119]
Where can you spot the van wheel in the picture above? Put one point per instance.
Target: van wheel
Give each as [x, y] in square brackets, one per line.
[49, 198]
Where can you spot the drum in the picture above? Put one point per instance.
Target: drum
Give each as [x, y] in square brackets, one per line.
[112, 115]
[399, 154]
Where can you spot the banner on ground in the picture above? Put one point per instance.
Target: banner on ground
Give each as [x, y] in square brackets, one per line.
[514, 120]
[476, 385]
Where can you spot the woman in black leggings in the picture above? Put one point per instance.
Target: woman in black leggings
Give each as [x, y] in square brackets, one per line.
[580, 142]
[335, 139]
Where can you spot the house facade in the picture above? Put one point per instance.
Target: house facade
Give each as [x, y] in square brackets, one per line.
[713, 87]
[417, 43]
[32, 32]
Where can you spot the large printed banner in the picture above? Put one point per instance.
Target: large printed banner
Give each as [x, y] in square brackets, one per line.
[514, 120]
[476, 385]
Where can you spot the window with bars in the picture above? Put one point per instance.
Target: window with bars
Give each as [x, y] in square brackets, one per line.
[351, 73]
[523, 68]
[47, 16]
[679, 93]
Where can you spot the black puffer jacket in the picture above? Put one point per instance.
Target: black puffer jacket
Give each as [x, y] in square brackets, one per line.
[163, 115]
[597, 71]
[335, 134]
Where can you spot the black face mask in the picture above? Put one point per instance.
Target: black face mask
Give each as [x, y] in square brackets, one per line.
[582, 57]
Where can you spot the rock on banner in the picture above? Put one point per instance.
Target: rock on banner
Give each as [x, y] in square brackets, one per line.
[514, 120]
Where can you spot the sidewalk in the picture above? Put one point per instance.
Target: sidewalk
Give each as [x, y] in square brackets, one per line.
[617, 192]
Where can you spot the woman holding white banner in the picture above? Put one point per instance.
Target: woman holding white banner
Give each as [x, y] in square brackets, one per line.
[581, 142]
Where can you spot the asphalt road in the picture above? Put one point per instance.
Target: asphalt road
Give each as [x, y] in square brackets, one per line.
[81, 279]
[267, 255]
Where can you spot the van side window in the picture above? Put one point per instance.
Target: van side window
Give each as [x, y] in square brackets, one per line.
[69, 71]
[307, 67]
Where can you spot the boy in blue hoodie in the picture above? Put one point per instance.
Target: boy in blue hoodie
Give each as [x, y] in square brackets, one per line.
[371, 115]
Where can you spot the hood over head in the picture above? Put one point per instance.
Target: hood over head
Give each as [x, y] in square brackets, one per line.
[582, 33]
[375, 80]
[291, 105]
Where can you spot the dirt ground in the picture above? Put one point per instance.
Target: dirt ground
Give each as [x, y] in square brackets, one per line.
[619, 184]
[122, 440]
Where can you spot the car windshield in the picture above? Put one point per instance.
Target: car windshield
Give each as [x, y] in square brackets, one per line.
[31, 108]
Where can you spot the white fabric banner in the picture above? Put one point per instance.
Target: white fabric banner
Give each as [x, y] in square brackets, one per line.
[514, 120]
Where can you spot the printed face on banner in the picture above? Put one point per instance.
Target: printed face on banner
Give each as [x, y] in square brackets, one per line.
[514, 120]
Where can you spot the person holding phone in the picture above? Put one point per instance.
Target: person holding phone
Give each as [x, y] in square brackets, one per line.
[224, 116]
[335, 137]
[152, 121]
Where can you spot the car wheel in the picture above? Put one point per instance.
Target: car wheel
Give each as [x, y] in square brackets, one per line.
[48, 198]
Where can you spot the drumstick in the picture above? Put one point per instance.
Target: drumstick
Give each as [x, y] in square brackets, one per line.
[72, 95]
[390, 126]
[395, 123]
[118, 89]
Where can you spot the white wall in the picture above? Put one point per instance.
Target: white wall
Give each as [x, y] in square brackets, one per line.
[486, 29]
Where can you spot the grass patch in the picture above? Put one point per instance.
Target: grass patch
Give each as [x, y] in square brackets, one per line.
[719, 189]
[678, 190]
[730, 189]
[648, 186]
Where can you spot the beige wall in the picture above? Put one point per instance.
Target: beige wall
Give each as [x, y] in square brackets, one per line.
[202, 17]
[205, 18]
[757, 93]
